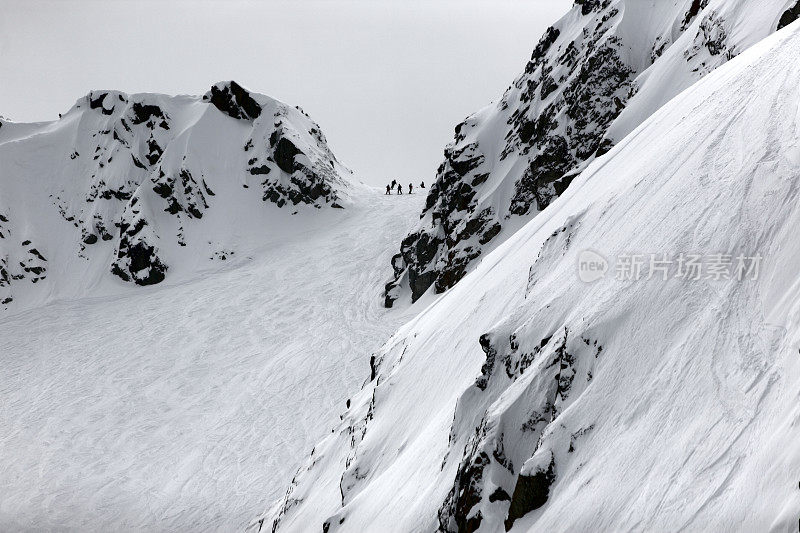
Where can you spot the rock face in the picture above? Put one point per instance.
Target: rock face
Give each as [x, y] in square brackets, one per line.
[592, 78]
[132, 182]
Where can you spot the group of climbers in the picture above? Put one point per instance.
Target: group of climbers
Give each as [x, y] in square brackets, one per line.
[391, 187]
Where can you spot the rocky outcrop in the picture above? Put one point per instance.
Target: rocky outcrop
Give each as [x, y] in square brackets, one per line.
[789, 16]
[530, 492]
[284, 152]
[233, 100]
[510, 459]
[511, 160]
[21, 262]
[137, 259]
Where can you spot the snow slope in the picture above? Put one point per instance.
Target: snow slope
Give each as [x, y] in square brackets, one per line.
[593, 77]
[182, 406]
[526, 399]
[146, 187]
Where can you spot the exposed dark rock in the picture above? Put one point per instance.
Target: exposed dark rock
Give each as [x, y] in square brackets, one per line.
[188, 196]
[145, 265]
[233, 100]
[155, 151]
[173, 207]
[789, 16]
[262, 170]
[465, 159]
[138, 163]
[548, 87]
[605, 146]
[499, 495]
[35, 252]
[144, 112]
[694, 10]
[714, 34]
[490, 233]
[587, 6]
[465, 494]
[305, 187]
[547, 167]
[95, 103]
[163, 189]
[284, 155]
[120, 194]
[543, 46]
[530, 493]
[488, 365]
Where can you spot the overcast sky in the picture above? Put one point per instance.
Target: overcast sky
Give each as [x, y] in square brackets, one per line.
[386, 79]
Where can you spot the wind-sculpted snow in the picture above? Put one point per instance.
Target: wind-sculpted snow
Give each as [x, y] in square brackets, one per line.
[525, 399]
[592, 78]
[138, 186]
[181, 407]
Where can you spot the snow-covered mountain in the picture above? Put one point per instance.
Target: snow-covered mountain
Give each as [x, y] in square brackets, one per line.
[139, 188]
[593, 77]
[525, 399]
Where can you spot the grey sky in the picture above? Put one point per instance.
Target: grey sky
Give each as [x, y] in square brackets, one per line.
[386, 79]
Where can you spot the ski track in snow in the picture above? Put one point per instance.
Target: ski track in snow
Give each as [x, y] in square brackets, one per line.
[187, 407]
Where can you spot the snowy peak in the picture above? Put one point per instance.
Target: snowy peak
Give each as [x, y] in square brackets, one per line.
[593, 77]
[132, 183]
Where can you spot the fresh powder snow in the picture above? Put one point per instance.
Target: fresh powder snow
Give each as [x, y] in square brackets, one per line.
[185, 407]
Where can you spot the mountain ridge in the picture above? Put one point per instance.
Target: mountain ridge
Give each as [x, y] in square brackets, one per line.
[133, 179]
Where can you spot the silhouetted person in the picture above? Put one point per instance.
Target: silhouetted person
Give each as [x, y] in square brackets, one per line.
[394, 182]
[421, 184]
[399, 189]
[410, 188]
[388, 190]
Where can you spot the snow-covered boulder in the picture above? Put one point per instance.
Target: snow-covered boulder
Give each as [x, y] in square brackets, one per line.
[593, 77]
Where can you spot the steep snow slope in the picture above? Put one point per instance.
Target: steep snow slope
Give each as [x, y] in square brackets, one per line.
[526, 399]
[594, 76]
[181, 407]
[148, 186]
